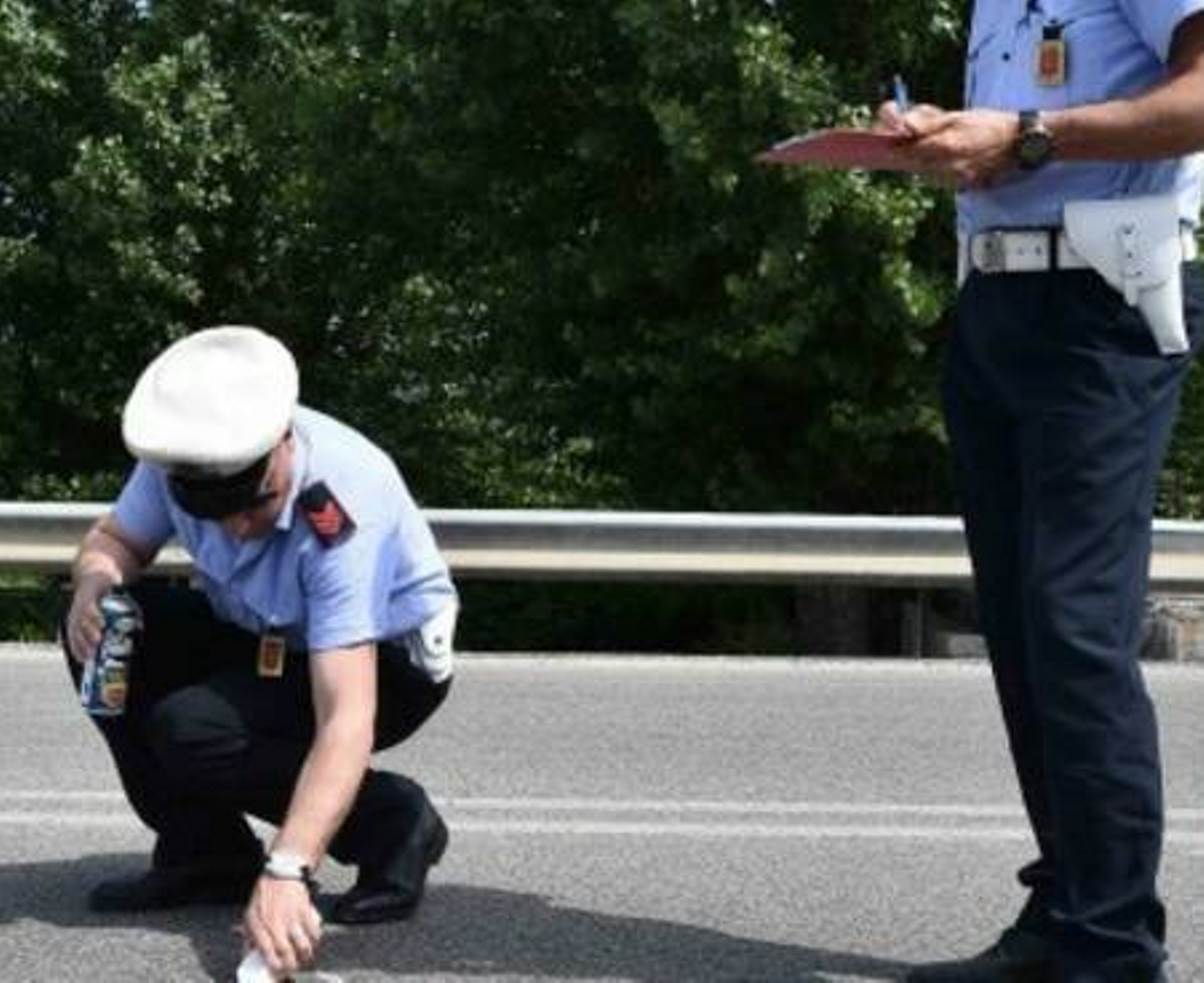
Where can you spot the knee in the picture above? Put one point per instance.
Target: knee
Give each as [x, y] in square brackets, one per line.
[195, 741]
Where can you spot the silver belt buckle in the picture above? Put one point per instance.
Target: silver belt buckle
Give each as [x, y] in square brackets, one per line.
[992, 252]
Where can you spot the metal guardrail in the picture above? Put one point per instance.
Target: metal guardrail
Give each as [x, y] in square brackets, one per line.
[919, 552]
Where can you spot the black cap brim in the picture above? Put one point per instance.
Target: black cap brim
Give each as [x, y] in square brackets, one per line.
[217, 497]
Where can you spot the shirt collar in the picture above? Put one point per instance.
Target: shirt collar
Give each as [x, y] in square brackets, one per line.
[300, 469]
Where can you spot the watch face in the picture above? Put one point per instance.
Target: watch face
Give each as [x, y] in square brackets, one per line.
[1033, 148]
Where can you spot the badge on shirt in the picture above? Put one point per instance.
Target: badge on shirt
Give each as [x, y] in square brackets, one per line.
[325, 515]
[270, 664]
[1051, 57]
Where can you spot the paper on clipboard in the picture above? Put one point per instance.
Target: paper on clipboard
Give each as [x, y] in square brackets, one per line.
[847, 148]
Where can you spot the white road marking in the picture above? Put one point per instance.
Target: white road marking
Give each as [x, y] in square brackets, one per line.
[65, 818]
[585, 827]
[29, 795]
[785, 808]
[716, 806]
[525, 816]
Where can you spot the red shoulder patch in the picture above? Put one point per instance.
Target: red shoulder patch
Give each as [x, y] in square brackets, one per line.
[325, 515]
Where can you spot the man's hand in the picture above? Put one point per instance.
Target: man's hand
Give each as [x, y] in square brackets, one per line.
[85, 623]
[894, 119]
[282, 923]
[107, 557]
[972, 148]
[976, 147]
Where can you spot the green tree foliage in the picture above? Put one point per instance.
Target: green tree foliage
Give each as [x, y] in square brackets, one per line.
[682, 334]
[90, 280]
[524, 245]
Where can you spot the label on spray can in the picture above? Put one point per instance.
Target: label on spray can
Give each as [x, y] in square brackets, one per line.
[104, 683]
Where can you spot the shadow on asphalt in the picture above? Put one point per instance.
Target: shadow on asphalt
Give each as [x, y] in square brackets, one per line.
[459, 931]
[55, 893]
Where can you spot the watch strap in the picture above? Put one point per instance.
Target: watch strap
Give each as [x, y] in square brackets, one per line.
[283, 866]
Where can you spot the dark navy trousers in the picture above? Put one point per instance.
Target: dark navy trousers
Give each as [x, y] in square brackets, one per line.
[205, 740]
[1059, 409]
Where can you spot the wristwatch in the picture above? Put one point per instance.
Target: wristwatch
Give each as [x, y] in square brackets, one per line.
[1034, 142]
[281, 865]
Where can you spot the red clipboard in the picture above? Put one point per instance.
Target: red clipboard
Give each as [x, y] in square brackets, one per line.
[845, 148]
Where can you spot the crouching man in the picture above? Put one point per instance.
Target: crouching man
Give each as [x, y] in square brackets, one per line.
[322, 630]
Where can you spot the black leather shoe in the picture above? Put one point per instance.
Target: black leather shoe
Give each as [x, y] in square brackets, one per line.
[1018, 957]
[393, 891]
[221, 882]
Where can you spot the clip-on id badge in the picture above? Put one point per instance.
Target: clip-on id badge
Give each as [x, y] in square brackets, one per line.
[1051, 57]
[270, 663]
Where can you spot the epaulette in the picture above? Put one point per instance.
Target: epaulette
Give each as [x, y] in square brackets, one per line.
[325, 515]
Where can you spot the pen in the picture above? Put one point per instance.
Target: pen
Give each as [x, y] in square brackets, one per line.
[901, 99]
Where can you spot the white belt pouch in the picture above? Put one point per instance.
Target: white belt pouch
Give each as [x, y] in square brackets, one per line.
[1135, 245]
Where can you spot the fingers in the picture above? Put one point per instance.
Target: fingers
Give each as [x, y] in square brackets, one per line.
[305, 935]
[286, 935]
[85, 625]
[275, 945]
[313, 924]
[926, 121]
[892, 119]
[303, 946]
[277, 949]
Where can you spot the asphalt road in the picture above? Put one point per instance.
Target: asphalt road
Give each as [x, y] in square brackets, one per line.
[616, 820]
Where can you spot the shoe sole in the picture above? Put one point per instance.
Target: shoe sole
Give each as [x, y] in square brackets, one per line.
[982, 970]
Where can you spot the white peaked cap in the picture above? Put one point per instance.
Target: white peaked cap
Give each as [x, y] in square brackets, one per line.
[215, 401]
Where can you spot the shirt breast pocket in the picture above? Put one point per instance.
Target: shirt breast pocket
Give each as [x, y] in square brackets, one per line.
[983, 41]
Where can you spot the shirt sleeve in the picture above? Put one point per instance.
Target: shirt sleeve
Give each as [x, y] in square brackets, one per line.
[1156, 21]
[346, 590]
[142, 510]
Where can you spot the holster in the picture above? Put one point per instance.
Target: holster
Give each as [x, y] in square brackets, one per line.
[1136, 245]
[431, 645]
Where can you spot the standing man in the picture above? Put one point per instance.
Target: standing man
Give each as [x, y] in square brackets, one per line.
[1076, 321]
[322, 631]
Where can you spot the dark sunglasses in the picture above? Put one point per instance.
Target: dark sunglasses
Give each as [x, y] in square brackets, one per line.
[218, 497]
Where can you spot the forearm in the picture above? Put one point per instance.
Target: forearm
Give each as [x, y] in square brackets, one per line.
[1166, 122]
[104, 560]
[326, 787]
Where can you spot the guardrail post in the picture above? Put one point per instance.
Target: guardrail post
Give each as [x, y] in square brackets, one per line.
[916, 635]
[832, 619]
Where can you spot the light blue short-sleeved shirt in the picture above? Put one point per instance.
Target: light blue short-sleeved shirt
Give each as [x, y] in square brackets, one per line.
[384, 579]
[1115, 49]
